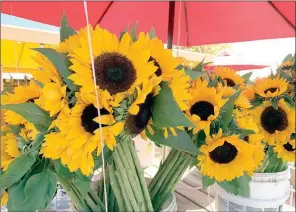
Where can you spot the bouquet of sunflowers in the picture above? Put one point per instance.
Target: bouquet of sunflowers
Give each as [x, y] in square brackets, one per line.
[96, 91]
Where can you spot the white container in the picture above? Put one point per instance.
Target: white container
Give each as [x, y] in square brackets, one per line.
[171, 204]
[268, 192]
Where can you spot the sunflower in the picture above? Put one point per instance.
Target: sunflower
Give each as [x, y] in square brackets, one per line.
[204, 107]
[52, 98]
[275, 125]
[9, 149]
[241, 101]
[120, 66]
[229, 76]
[249, 92]
[4, 198]
[162, 58]
[287, 66]
[270, 87]
[81, 138]
[286, 150]
[47, 73]
[225, 158]
[22, 94]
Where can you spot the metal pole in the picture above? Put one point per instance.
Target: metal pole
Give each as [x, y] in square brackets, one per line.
[171, 24]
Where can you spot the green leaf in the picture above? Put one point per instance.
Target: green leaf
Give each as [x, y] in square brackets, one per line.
[40, 190]
[284, 75]
[152, 33]
[17, 196]
[244, 132]
[181, 142]
[199, 66]
[15, 129]
[16, 170]
[61, 63]
[207, 181]
[193, 74]
[107, 155]
[66, 30]
[239, 186]
[166, 112]
[256, 102]
[31, 112]
[274, 104]
[133, 32]
[123, 32]
[290, 100]
[82, 185]
[227, 109]
[62, 170]
[273, 160]
[37, 143]
[213, 82]
[247, 76]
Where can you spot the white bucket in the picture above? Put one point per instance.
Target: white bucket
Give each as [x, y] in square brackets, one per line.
[268, 192]
[170, 205]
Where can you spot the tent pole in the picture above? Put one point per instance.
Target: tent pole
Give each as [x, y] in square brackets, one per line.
[171, 24]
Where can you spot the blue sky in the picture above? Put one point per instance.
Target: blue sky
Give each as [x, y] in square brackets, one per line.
[25, 23]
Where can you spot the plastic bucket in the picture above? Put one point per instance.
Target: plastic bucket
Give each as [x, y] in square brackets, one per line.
[268, 192]
[170, 205]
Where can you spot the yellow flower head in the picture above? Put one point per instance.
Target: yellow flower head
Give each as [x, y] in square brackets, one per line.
[225, 158]
[270, 87]
[286, 150]
[80, 134]
[204, 107]
[4, 199]
[276, 125]
[120, 66]
[229, 76]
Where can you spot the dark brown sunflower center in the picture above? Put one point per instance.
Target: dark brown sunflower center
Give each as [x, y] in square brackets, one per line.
[89, 113]
[271, 90]
[286, 67]
[135, 124]
[114, 72]
[224, 154]
[246, 138]
[158, 72]
[203, 109]
[289, 147]
[274, 120]
[229, 82]
[32, 99]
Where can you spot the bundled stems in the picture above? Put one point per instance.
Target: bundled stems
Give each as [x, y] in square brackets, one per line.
[87, 202]
[168, 175]
[127, 178]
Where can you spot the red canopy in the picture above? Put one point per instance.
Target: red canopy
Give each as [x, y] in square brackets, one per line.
[200, 22]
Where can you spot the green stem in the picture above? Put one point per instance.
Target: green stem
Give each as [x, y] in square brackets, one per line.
[116, 188]
[125, 193]
[97, 200]
[131, 172]
[140, 174]
[76, 199]
[163, 167]
[127, 182]
[171, 168]
[263, 166]
[169, 186]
